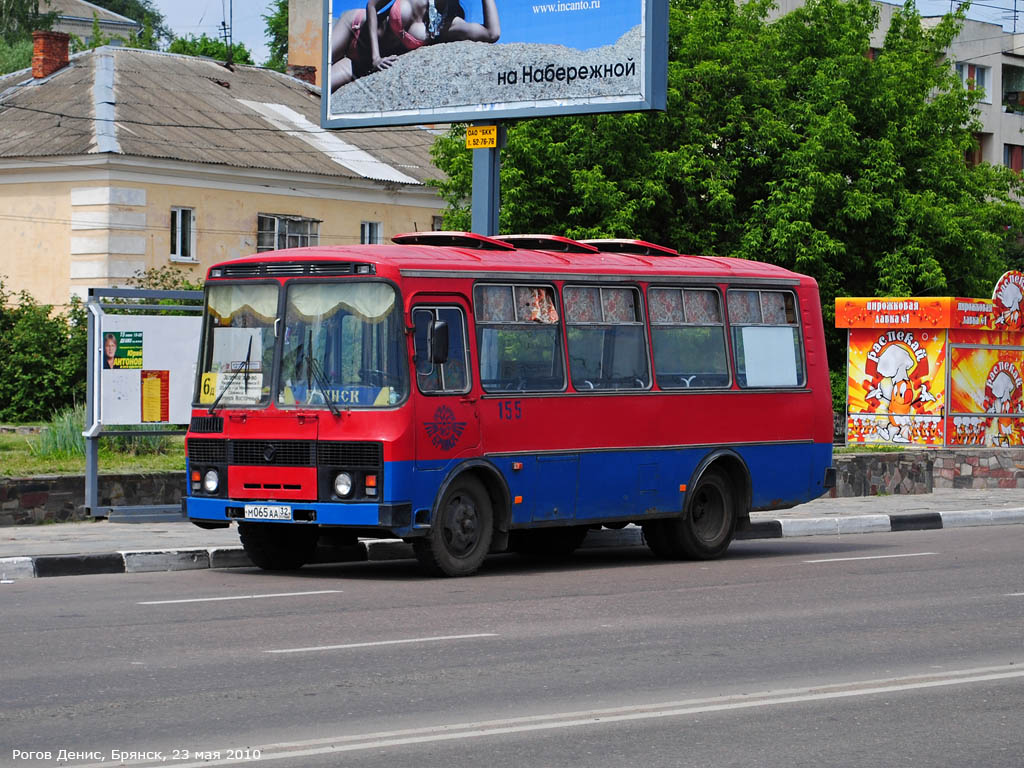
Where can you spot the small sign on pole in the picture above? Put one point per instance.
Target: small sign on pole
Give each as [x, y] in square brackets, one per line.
[481, 136]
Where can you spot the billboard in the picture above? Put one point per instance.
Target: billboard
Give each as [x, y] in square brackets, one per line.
[437, 61]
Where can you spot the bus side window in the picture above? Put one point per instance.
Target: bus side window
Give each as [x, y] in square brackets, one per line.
[688, 335]
[607, 342]
[453, 375]
[766, 338]
[518, 338]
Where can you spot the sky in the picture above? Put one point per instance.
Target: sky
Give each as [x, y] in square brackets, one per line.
[194, 17]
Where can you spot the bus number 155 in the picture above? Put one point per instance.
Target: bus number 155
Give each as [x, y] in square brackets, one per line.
[509, 410]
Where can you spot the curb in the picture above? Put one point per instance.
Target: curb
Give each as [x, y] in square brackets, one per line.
[380, 550]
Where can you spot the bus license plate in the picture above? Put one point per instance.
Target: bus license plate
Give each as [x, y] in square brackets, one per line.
[267, 512]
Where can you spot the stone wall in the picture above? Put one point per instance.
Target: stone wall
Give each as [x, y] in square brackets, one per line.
[982, 468]
[59, 498]
[869, 474]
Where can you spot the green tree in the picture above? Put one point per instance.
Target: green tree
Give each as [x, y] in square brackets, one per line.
[44, 356]
[783, 142]
[276, 19]
[15, 56]
[18, 18]
[146, 13]
[211, 48]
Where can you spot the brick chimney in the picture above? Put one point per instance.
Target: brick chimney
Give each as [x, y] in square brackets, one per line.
[302, 72]
[49, 52]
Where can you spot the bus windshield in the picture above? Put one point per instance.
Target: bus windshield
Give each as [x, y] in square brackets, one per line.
[238, 344]
[343, 345]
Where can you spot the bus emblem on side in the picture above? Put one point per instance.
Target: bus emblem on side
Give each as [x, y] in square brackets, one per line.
[444, 430]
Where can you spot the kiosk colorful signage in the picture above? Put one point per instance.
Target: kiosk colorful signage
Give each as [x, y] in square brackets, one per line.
[936, 371]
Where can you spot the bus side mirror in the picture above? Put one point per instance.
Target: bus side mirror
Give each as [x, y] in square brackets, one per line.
[439, 342]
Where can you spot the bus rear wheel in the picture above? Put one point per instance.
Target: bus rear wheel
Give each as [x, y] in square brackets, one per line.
[460, 533]
[707, 528]
[278, 547]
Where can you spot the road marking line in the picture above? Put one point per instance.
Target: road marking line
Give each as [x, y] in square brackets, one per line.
[1016, 594]
[381, 642]
[241, 597]
[871, 557]
[487, 728]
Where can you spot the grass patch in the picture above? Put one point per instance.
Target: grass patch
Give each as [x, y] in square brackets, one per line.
[872, 448]
[59, 449]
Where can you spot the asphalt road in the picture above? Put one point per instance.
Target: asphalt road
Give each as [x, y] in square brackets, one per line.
[899, 649]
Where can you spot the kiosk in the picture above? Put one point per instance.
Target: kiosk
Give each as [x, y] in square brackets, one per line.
[938, 372]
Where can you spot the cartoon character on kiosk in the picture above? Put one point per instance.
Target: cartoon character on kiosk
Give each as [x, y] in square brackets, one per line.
[1008, 297]
[1003, 390]
[897, 391]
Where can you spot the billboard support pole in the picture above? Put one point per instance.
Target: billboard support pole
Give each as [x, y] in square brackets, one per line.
[487, 187]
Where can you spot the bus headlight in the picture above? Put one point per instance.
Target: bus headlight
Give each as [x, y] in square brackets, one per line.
[211, 481]
[343, 483]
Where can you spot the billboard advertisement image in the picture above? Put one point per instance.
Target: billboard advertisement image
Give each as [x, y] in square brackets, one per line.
[405, 62]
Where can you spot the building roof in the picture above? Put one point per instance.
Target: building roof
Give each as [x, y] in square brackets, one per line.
[80, 9]
[148, 104]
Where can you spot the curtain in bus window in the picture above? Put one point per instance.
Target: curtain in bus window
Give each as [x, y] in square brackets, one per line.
[370, 301]
[227, 300]
[535, 305]
[744, 307]
[702, 307]
[582, 305]
[495, 304]
[665, 305]
[618, 305]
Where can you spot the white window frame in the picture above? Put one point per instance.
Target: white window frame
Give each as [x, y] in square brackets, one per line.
[280, 237]
[177, 214]
[370, 233]
[982, 79]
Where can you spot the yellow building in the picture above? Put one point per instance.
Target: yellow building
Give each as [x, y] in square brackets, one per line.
[119, 160]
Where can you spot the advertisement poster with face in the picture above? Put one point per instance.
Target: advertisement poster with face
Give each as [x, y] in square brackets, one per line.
[896, 386]
[985, 397]
[403, 62]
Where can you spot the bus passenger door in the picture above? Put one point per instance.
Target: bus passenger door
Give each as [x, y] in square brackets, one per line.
[447, 420]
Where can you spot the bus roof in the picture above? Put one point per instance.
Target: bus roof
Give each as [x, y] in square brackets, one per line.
[475, 256]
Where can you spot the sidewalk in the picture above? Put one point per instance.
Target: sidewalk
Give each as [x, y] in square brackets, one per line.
[105, 547]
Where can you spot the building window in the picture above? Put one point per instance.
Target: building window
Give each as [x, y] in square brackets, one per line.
[1013, 157]
[437, 223]
[369, 233]
[275, 231]
[183, 234]
[975, 78]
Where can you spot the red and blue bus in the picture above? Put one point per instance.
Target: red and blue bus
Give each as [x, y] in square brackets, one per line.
[473, 395]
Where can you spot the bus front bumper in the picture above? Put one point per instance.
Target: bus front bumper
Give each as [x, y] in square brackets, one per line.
[387, 517]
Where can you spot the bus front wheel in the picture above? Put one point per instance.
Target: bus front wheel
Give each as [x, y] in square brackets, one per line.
[277, 546]
[460, 533]
[707, 528]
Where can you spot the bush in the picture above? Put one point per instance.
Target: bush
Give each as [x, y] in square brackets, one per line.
[44, 357]
[62, 437]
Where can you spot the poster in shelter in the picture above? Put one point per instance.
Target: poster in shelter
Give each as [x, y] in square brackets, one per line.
[896, 386]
